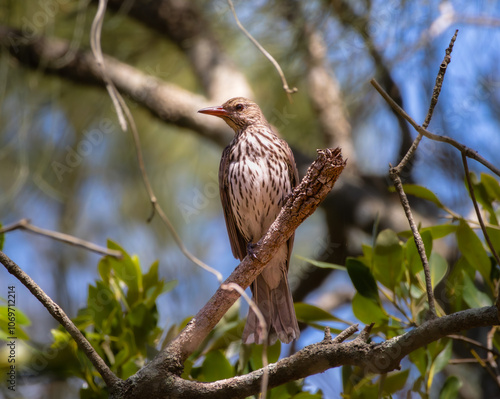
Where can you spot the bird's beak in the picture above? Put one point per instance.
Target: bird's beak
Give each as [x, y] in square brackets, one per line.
[215, 111]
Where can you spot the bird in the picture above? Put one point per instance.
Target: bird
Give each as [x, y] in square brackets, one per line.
[257, 173]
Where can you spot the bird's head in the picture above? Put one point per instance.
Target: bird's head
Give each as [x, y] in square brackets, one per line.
[237, 112]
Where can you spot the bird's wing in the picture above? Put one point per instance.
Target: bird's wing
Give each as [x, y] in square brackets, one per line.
[293, 174]
[238, 243]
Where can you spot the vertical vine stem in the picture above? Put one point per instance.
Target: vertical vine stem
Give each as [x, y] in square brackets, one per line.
[481, 223]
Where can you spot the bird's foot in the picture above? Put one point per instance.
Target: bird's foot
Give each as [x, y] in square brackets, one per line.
[251, 249]
[286, 198]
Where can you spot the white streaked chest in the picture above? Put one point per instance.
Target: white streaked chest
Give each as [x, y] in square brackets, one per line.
[259, 181]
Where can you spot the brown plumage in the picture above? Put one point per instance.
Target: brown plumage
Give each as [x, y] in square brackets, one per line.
[257, 172]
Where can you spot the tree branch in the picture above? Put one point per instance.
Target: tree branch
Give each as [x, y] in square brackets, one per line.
[24, 224]
[111, 380]
[184, 24]
[304, 200]
[263, 51]
[436, 137]
[434, 99]
[374, 358]
[481, 223]
[167, 101]
[395, 172]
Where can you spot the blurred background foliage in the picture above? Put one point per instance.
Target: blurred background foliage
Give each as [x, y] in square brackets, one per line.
[46, 120]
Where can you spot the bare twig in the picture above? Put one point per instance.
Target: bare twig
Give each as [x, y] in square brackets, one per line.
[418, 239]
[95, 45]
[263, 326]
[481, 222]
[24, 224]
[111, 380]
[263, 51]
[491, 352]
[394, 174]
[183, 248]
[434, 99]
[345, 334]
[436, 137]
[465, 361]
[471, 341]
[126, 119]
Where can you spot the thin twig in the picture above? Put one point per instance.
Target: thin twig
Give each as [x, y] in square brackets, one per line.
[434, 99]
[263, 51]
[394, 174]
[182, 247]
[491, 359]
[263, 326]
[95, 45]
[474, 342]
[465, 361]
[418, 239]
[436, 137]
[345, 334]
[439, 80]
[481, 223]
[24, 224]
[126, 119]
[55, 310]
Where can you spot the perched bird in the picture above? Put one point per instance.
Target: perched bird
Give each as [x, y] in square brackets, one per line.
[257, 172]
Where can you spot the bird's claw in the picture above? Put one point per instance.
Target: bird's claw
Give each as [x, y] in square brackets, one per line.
[251, 249]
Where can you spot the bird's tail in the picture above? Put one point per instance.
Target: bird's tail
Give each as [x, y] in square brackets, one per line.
[276, 305]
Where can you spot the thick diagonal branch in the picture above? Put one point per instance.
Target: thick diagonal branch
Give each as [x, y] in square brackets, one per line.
[320, 178]
[167, 101]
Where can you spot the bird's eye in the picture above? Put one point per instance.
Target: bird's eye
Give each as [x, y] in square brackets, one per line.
[239, 107]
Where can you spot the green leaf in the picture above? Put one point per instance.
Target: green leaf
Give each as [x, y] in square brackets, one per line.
[443, 358]
[492, 186]
[439, 267]
[439, 363]
[347, 373]
[494, 235]
[482, 196]
[412, 255]
[169, 286]
[388, 266]
[324, 265]
[307, 313]
[216, 367]
[422, 192]
[419, 358]
[273, 354]
[473, 250]
[150, 279]
[129, 368]
[362, 278]
[395, 382]
[127, 343]
[101, 303]
[128, 271]
[367, 311]
[472, 296]
[450, 388]
[21, 318]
